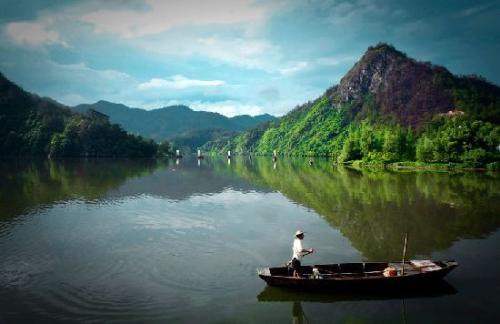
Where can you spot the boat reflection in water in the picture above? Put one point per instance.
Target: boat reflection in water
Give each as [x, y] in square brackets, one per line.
[277, 294]
[298, 315]
[296, 298]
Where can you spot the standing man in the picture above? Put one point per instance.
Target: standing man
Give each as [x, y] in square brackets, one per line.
[298, 253]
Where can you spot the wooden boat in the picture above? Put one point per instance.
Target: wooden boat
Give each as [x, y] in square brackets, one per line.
[365, 276]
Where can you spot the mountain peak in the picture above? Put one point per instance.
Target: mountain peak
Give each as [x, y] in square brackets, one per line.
[105, 102]
[110, 104]
[368, 74]
[385, 48]
[386, 81]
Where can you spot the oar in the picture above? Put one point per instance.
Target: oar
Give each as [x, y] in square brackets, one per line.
[404, 253]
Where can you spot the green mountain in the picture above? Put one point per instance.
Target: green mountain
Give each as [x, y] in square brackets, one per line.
[387, 108]
[34, 126]
[167, 122]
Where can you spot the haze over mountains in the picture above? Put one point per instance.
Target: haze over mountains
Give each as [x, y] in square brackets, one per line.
[32, 125]
[165, 123]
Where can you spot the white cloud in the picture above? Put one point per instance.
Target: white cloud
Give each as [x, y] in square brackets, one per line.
[162, 15]
[250, 53]
[78, 83]
[178, 82]
[474, 10]
[294, 68]
[154, 30]
[106, 74]
[152, 27]
[33, 33]
[228, 108]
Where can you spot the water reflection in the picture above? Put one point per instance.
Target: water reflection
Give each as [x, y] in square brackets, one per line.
[185, 180]
[276, 294]
[372, 209]
[296, 299]
[29, 185]
[298, 315]
[156, 241]
[375, 209]
[25, 185]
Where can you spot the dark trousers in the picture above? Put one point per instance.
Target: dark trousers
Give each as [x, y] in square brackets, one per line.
[295, 266]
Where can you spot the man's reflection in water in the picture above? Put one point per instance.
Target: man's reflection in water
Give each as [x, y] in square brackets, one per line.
[298, 316]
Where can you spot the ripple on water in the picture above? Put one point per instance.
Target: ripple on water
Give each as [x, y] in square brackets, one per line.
[98, 302]
[210, 266]
[22, 269]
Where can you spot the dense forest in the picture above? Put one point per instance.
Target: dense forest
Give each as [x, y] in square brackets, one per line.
[34, 126]
[388, 108]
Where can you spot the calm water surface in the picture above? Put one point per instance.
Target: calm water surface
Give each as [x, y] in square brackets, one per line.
[153, 241]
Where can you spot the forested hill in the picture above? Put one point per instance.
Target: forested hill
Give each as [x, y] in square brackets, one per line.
[34, 126]
[388, 108]
[167, 122]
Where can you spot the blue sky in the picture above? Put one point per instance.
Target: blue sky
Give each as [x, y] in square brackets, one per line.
[232, 57]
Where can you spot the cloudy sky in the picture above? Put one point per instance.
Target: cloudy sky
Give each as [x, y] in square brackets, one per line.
[229, 56]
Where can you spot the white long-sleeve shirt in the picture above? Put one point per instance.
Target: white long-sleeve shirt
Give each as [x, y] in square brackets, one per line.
[298, 250]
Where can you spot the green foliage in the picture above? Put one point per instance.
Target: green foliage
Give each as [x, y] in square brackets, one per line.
[494, 166]
[35, 126]
[424, 149]
[164, 149]
[319, 129]
[38, 130]
[475, 157]
[477, 97]
[95, 137]
[296, 133]
[351, 150]
[459, 140]
[377, 144]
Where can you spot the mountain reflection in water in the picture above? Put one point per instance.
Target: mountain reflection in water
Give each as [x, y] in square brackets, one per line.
[160, 241]
[374, 209]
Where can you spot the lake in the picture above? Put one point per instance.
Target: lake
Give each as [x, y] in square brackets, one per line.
[166, 241]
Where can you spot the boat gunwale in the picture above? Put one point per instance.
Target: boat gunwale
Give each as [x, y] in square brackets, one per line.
[361, 276]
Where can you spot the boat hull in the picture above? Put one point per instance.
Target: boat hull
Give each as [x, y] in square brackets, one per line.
[357, 281]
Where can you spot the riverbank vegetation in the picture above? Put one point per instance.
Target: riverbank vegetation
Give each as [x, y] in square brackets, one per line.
[451, 140]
